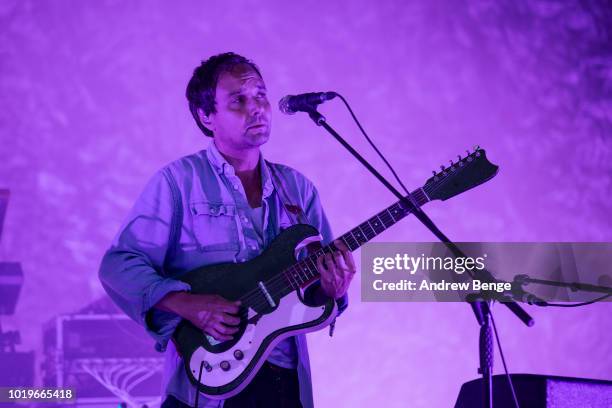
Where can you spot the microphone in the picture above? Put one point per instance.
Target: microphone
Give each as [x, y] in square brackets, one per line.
[306, 102]
[521, 295]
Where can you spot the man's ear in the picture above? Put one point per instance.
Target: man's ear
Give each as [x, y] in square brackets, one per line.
[205, 119]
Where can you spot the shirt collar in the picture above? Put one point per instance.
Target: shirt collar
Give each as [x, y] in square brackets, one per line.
[223, 167]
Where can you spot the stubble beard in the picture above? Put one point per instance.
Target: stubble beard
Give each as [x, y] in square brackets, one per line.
[258, 137]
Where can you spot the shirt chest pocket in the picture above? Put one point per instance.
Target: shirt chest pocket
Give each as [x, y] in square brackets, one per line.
[214, 226]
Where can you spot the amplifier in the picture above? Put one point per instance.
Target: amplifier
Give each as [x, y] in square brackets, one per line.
[103, 357]
[97, 336]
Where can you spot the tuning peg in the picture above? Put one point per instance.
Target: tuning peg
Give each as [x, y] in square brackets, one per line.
[458, 157]
[451, 163]
[442, 167]
[467, 152]
[476, 148]
[433, 172]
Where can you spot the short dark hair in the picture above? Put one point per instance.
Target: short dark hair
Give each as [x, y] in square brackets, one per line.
[203, 83]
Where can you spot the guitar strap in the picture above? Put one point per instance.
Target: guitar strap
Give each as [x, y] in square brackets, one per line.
[294, 212]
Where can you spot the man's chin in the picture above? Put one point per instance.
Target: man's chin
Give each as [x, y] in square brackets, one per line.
[257, 138]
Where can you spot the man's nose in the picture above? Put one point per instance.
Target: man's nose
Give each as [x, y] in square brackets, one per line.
[255, 106]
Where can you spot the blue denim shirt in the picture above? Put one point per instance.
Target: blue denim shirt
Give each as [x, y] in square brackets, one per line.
[194, 212]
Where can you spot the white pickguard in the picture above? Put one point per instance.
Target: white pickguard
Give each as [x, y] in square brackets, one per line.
[290, 312]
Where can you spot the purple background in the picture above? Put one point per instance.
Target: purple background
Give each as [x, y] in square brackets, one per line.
[92, 103]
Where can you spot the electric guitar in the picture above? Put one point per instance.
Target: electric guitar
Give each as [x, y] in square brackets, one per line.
[270, 287]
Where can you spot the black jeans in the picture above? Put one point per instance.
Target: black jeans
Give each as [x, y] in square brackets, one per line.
[272, 387]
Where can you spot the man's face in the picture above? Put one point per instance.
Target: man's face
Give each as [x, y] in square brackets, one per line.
[242, 119]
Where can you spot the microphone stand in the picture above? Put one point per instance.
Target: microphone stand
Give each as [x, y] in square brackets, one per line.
[480, 305]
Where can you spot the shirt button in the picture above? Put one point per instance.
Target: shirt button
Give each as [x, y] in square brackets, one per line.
[245, 219]
[253, 247]
[236, 187]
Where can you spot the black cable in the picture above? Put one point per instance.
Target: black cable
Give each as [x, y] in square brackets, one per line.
[197, 398]
[501, 353]
[372, 143]
[590, 302]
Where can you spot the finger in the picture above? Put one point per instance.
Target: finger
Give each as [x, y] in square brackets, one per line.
[227, 330]
[341, 245]
[230, 320]
[323, 270]
[321, 264]
[339, 261]
[217, 335]
[208, 321]
[329, 261]
[203, 315]
[222, 303]
[228, 307]
[350, 261]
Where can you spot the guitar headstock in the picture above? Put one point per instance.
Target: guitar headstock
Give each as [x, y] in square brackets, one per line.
[462, 175]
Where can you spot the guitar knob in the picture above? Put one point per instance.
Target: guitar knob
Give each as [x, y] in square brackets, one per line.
[207, 366]
[225, 365]
[238, 355]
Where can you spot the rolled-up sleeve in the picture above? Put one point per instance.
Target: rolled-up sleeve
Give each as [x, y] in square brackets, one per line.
[132, 270]
[315, 214]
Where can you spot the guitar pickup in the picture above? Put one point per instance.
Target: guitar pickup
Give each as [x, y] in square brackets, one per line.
[266, 294]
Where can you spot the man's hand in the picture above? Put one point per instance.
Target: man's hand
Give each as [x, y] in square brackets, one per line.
[337, 271]
[213, 314]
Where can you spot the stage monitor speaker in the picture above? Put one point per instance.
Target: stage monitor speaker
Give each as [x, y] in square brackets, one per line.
[539, 391]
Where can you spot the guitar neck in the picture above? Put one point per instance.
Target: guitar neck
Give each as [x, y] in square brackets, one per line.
[305, 271]
[379, 223]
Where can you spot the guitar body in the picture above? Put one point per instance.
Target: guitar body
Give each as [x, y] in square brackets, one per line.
[227, 367]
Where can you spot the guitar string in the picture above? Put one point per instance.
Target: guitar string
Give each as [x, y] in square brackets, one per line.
[295, 270]
[276, 283]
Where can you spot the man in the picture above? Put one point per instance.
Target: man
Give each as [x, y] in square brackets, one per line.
[223, 204]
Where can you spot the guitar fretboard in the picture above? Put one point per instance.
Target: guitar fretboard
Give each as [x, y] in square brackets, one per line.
[305, 271]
